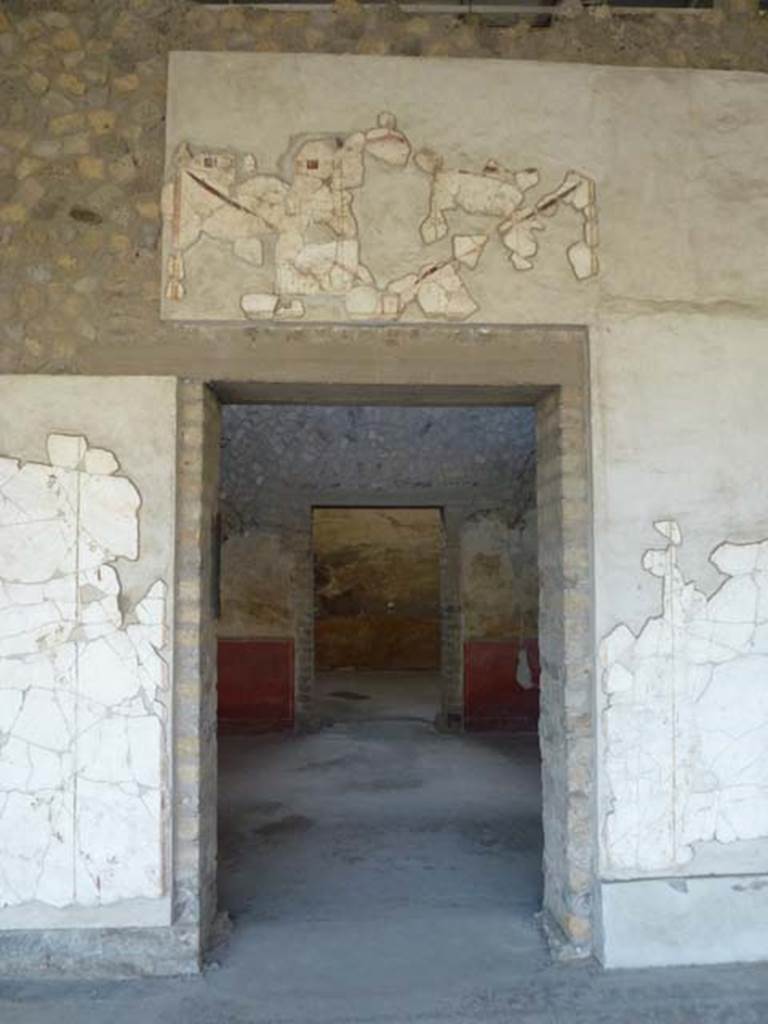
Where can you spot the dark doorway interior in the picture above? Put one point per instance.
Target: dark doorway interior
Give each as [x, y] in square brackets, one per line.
[377, 612]
[377, 589]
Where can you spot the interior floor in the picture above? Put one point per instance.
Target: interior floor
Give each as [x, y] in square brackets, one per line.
[345, 696]
[382, 873]
[376, 838]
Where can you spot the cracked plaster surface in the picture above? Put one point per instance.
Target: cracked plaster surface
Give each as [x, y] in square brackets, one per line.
[685, 719]
[302, 227]
[83, 686]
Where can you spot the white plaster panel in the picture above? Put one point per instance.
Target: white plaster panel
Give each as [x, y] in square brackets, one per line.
[671, 154]
[675, 921]
[684, 724]
[85, 670]
[390, 201]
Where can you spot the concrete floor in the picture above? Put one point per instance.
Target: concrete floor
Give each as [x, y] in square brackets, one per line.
[377, 696]
[380, 873]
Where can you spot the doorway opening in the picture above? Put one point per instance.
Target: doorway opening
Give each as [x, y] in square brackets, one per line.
[560, 485]
[377, 608]
[430, 587]
[396, 629]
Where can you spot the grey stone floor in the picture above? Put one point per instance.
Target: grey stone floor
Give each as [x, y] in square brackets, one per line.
[379, 873]
[345, 696]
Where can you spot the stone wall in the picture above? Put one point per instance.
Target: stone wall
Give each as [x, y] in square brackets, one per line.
[278, 455]
[195, 711]
[81, 144]
[567, 723]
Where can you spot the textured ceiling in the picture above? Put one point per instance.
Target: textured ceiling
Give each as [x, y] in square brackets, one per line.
[276, 454]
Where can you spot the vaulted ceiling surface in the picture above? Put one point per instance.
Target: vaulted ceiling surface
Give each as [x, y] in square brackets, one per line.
[271, 453]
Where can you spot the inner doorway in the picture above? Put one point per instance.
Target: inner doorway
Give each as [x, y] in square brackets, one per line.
[377, 612]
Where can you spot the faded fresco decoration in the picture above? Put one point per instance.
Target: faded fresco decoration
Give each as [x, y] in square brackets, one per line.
[296, 233]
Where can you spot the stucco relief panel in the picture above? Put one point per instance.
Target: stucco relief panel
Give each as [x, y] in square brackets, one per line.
[83, 686]
[293, 238]
[685, 714]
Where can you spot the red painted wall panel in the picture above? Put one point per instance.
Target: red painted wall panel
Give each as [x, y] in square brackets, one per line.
[493, 698]
[256, 683]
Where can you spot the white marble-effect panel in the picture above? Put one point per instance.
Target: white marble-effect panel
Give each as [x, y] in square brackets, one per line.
[83, 687]
[685, 715]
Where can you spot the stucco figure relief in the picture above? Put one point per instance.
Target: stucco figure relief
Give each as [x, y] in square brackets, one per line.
[685, 720]
[303, 229]
[83, 686]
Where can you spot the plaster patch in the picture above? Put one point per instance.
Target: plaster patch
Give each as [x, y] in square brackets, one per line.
[685, 714]
[300, 227]
[83, 691]
[468, 249]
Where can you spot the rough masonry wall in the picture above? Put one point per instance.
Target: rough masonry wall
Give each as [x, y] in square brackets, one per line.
[195, 705]
[81, 145]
